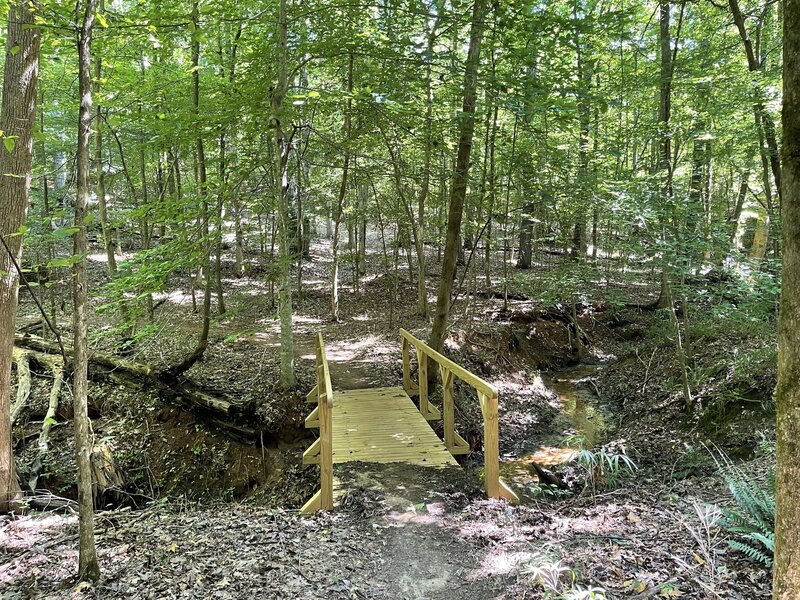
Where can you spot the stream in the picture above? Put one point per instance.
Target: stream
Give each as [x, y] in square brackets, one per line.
[581, 423]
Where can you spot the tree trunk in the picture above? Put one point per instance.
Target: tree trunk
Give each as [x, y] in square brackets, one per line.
[20, 78]
[664, 165]
[768, 125]
[337, 217]
[108, 242]
[458, 189]
[786, 570]
[202, 185]
[281, 176]
[585, 68]
[88, 566]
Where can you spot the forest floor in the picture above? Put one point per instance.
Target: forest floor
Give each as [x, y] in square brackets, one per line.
[216, 518]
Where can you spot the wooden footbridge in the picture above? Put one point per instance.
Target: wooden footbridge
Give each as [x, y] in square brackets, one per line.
[383, 425]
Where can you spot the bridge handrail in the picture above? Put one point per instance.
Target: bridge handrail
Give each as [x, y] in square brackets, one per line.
[488, 396]
[323, 499]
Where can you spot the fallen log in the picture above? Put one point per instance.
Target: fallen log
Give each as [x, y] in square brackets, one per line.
[23, 383]
[211, 406]
[39, 344]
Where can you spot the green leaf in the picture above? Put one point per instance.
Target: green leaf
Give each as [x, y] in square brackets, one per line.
[101, 18]
[9, 142]
[59, 262]
[51, 421]
[65, 232]
[14, 50]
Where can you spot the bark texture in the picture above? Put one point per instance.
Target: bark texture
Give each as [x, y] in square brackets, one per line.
[786, 570]
[88, 566]
[282, 148]
[21, 75]
[458, 189]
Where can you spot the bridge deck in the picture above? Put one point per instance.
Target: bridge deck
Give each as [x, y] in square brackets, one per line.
[383, 425]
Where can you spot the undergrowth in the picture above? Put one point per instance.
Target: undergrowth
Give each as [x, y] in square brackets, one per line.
[752, 521]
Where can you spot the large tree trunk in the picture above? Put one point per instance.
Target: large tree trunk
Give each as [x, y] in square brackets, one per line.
[88, 566]
[20, 77]
[786, 570]
[281, 177]
[458, 188]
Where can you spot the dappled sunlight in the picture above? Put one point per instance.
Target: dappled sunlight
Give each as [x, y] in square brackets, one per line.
[411, 516]
[174, 297]
[498, 561]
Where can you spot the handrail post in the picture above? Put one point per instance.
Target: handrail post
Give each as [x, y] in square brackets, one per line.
[325, 430]
[448, 408]
[325, 452]
[408, 385]
[323, 499]
[491, 445]
[422, 370]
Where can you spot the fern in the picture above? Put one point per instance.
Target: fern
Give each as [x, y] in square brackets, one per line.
[753, 521]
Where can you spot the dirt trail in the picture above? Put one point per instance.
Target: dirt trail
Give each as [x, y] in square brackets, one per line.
[424, 556]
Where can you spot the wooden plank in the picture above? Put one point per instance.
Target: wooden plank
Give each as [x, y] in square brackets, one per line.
[383, 425]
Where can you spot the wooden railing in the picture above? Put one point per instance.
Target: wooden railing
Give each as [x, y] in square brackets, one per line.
[321, 451]
[487, 396]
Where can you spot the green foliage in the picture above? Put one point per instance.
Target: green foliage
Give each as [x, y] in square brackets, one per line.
[752, 522]
[557, 580]
[606, 466]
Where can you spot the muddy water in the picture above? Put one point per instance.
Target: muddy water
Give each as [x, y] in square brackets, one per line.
[581, 422]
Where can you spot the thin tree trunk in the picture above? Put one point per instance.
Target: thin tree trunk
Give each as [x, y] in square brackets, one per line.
[664, 164]
[108, 242]
[88, 566]
[20, 78]
[202, 186]
[761, 113]
[579, 242]
[337, 217]
[492, 189]
[458, 188]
